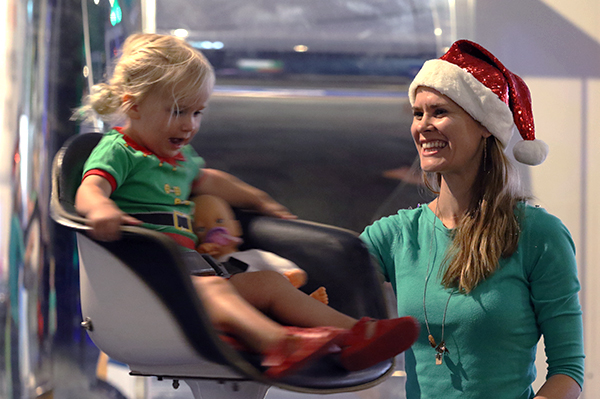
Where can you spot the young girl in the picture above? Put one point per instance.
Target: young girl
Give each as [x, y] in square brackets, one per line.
[485, 273]
[146, 171]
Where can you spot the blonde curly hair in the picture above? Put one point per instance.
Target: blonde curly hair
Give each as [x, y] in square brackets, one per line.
[151, 62]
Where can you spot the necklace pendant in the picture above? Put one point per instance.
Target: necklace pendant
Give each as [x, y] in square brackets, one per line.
[432, 341]
[439, 353]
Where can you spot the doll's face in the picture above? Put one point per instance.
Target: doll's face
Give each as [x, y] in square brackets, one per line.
[212, 212]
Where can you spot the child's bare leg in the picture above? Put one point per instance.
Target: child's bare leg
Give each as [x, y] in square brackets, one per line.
[230, 313]
[285, 349]
[233, 306]
[273, 294]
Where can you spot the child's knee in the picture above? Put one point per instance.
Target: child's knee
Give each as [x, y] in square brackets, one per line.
[212, 286]
[263, 278]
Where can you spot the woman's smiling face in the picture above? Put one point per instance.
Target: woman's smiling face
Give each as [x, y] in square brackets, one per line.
[447, 138]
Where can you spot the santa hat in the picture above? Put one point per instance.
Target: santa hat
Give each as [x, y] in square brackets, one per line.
[494, 96]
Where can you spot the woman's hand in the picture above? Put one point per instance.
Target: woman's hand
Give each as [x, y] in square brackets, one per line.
[271, 207]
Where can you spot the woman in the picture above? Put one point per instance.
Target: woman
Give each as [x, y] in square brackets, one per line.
[485, 273]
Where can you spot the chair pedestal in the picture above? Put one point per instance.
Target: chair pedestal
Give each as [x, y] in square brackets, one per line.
[214, 389]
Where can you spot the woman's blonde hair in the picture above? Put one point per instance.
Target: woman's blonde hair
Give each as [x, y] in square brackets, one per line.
[490, 228]
[152, 62]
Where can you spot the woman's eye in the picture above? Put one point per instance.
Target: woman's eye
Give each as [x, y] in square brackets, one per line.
[220, 220]
[417, 114]
[440, 111]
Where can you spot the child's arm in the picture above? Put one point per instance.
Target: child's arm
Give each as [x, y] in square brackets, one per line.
[104, 216]
[239, 194]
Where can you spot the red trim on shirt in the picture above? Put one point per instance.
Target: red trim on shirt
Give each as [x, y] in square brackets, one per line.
[104, 174]
[182, 240]
[171, 161]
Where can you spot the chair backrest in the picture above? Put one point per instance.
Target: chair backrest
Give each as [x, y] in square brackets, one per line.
[331, 256]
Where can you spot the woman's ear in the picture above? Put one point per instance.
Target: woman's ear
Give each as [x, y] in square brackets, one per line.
[131, 106]
[484, 132]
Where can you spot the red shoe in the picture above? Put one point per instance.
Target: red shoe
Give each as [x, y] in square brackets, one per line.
[300, 347]
[372, 341]
[233, 342]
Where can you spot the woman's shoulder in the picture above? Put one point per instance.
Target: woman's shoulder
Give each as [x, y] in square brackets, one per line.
[391, 232]
[404, 218]
[536, 217]
[540, 228]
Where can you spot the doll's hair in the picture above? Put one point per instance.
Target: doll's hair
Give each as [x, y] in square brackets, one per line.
[148, 63]
[490, 229]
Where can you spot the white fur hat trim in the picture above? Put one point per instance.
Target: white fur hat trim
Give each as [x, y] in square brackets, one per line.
[470, 94]
[530, 152]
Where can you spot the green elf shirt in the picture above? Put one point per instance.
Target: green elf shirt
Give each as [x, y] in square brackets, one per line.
[142, 182]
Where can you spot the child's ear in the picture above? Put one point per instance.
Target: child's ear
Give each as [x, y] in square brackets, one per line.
[131, 106]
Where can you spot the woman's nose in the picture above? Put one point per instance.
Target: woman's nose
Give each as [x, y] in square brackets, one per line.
[423, 124]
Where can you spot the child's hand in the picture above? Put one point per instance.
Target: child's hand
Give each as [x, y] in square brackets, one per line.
[273, 208]
[106, 222]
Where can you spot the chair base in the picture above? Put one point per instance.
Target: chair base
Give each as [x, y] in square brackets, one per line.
[224, 389]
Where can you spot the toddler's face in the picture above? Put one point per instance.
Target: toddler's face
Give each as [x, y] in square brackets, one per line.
[163, 128]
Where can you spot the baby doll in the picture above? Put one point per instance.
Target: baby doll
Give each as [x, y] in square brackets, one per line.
[219, 234]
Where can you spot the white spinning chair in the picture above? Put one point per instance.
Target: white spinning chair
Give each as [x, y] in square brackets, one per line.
[140, 308]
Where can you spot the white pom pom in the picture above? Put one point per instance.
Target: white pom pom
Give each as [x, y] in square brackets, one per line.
[530, 152]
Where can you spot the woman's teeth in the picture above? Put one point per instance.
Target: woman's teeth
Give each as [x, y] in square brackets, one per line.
[434, 144]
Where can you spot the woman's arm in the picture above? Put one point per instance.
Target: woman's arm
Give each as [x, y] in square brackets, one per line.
[552, 271]
[239, 194]
[559, 386]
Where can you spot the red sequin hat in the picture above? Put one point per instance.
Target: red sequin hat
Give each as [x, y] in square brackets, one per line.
[494, 96]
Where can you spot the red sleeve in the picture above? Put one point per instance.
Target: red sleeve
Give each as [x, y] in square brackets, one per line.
[104, 174]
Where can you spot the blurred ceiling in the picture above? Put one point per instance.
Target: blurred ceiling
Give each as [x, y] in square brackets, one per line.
[397, 27]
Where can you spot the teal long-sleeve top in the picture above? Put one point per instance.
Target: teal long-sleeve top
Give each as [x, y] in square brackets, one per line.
[492, 332]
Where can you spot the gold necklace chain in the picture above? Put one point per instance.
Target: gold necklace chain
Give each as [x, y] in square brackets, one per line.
[440, 349]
